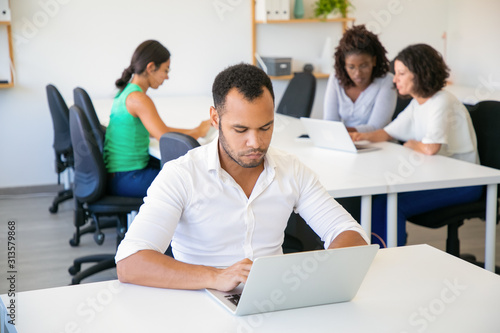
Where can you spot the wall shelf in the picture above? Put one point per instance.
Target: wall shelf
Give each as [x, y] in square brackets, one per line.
[11, 54]
[289, 77]
[345, 21]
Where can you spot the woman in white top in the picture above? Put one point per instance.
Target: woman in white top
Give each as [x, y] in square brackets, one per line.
[434, 123]
[360, 93]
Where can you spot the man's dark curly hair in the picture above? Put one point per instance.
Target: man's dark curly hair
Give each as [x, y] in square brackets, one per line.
[248, 79]
[428, 67]
[358, 40]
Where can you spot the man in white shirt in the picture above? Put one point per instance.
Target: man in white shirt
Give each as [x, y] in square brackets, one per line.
[226, 203]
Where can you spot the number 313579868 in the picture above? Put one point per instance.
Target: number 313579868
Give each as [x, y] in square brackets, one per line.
[11, 244]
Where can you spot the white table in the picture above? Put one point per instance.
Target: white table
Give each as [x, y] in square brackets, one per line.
[406, 289]
[390, 170]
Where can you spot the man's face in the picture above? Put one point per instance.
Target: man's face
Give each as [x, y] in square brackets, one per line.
[245, 129]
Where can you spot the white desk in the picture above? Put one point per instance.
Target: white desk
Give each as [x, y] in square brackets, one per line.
[391, 170]
[405, 290]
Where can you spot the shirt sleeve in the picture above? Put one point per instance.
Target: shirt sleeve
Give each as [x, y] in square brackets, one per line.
[438, 122]
[331, 102]
[155, 224]
[322, 213]
[401, 127]
[383, 107]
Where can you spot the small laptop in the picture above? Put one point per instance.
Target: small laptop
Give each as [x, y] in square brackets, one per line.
[332, 135]
[299, 280]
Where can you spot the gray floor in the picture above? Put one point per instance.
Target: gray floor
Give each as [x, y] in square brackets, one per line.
[43, 253]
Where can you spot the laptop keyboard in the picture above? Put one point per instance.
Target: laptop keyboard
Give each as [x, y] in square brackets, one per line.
[235, 298]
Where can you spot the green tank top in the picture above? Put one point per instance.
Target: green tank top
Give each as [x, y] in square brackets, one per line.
[127, 140]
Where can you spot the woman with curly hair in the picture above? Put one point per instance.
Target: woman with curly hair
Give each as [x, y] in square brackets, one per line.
[360, 93]
[434, 123]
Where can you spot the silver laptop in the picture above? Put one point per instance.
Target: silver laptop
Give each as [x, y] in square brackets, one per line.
[299, 279]
[332, 135]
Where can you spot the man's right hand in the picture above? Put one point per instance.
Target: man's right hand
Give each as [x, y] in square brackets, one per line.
[229, 278]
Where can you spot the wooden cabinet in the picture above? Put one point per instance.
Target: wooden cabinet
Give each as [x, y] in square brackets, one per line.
[255, 23]
[8, 42]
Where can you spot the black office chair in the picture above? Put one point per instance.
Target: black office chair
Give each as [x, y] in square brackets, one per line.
[174, 145]
[62, 142]
[82, 100]
[401, 104]
[90, 192]
[298, 99]
[486, 120]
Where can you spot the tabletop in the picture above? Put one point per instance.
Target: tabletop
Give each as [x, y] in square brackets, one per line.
[407, 289]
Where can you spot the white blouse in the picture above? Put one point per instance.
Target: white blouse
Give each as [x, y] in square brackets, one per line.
[372, 110]
[441, 119]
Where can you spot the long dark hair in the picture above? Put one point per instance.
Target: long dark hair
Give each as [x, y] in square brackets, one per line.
[358, 40]
[428, 67]
[146, 52]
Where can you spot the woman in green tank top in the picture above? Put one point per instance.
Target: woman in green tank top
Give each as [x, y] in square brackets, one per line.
[134, 119]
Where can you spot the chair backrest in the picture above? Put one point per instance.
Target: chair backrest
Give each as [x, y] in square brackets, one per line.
[60, 119]
[83, 101]
[90, 171]
[298, 99]
[485, 117]
[174, 145]
[401, 104]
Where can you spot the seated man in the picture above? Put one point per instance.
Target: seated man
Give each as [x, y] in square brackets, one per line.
[226, 203]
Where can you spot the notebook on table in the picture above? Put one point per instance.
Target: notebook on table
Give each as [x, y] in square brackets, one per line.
[299, 280]
[333, 135]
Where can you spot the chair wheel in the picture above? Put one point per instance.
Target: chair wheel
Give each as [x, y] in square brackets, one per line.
[73, 270]
[99, 238]
[121, 232]
[53, 209]
[74, 242]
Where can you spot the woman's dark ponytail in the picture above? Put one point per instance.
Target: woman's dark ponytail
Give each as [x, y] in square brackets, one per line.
[121, 83]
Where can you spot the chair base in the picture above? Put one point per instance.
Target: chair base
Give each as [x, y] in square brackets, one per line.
[103, 262]
[61, 196]
[91, 228]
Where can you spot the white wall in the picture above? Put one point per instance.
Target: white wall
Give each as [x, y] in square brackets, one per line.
[88, 43]
[403, 22]
[473, 51]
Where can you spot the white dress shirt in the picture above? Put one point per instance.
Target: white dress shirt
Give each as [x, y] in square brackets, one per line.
[441, 119]
[372, 110]
[210, 220]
